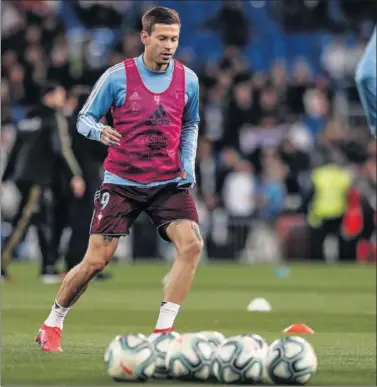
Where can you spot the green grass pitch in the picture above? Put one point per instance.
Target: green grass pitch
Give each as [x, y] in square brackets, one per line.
[338, 302]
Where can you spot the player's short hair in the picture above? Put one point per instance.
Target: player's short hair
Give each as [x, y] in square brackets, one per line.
[159, 15]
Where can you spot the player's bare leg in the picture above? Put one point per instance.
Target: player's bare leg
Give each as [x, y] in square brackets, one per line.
[98, 255]
[186, 236]
[100, 251]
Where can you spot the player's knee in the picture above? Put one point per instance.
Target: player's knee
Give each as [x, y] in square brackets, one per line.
[192, 248]
[94, 265]
[99, 254]
[96, 259]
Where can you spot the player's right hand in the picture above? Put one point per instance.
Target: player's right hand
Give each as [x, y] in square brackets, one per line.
[110, 136]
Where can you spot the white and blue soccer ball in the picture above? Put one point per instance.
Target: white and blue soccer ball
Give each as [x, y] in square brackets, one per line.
[214, 337]
[160, 343]
[259, 341]
[130, 358]
[291, 360]
[189, 357]
[239, 360]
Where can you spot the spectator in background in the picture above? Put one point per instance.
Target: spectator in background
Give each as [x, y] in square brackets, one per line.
[213, 117]
[242, 110]
[19, 92]
[279, 80]
[270, 106]
[229, 158]
[297, 161]
[59, 66]
[301, 82]
[6, 115]
[304, 16]
[9, 60]
[97, 14]
[326, 204]
[271, 188]
[207, 175]
[231, 23]
[339, 59]
[359, 222]
[130, 46]
[317, 109]
[330, 144]
[34, 62]
[239, 201]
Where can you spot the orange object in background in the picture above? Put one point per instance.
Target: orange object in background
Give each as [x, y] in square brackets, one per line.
[299, 328]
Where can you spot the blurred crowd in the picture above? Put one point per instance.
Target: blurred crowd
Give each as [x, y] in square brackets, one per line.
[263, 133]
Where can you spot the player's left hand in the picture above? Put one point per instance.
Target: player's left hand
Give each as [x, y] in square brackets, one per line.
[78, 186]
[110, 136]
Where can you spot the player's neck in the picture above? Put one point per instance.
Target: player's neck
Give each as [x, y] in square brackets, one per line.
[153, 66]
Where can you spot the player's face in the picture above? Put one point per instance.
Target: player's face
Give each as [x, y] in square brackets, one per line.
[162, 43]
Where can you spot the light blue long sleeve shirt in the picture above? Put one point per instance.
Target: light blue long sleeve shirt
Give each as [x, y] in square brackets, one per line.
[110, 90]
[366, 82]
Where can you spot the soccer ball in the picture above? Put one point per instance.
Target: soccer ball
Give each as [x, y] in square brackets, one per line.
[259, 340]
[291, 360]
[189, 357]
[130, 357]
[215, 338]
[160, 343]
[239, 360]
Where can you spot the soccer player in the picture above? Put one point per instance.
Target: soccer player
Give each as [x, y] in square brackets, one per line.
[149, 167]
[366, 80]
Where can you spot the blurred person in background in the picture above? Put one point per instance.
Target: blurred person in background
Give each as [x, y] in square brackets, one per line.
[241, 110]
[330, 144]
[90, 156]
[270, 203]
[304, 16]
[231, 23]
[207, 175]
[239, 200]
[98, 14]
[270, 188]
[294, 151]
[359, 221]
[213, 117]
[269, 105]
[300, 83]
[60, 186]
[228, 159]
[326, 203]
[42, 137]
[208, 186]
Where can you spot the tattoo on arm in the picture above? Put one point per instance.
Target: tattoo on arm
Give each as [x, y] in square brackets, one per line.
[179, 221]
[196, 230]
